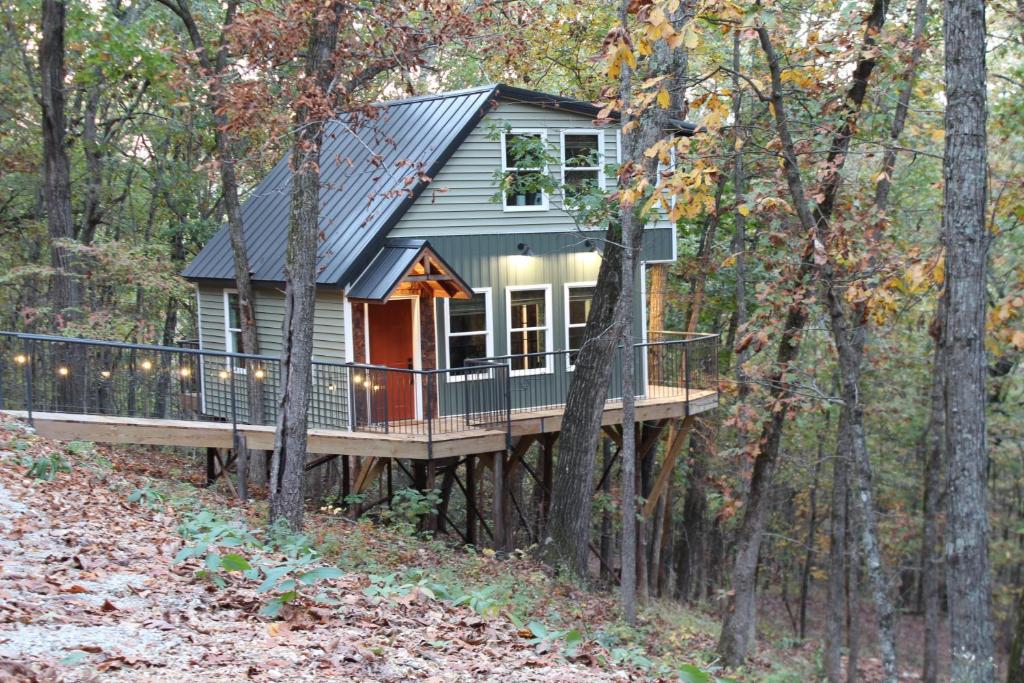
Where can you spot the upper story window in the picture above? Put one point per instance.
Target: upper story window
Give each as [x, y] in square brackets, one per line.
[578, 300]
[582, 156]
[525, 183]
[232, 322]
[469, 328]
[529, 334]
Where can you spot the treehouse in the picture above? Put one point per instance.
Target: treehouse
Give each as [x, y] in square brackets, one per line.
[447, 305]
[456, 271]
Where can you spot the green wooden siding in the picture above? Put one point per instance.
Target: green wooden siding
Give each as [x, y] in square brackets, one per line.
[329, 407]
[493, 261]
[460, 199]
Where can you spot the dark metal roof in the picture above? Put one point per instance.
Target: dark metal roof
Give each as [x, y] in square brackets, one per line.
[393, 262]
[369, 178]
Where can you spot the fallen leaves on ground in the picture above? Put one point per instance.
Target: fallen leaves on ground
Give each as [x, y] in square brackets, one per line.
[88, 590]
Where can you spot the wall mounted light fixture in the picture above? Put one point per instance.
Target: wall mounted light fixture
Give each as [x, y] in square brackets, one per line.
[525, 249]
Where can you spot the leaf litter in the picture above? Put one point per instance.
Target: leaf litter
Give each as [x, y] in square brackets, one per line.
[89, 591]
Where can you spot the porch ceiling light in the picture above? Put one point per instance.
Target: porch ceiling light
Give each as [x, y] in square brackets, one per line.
[525, 249]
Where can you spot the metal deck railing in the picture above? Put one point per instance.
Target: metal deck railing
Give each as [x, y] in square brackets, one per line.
[43, 373]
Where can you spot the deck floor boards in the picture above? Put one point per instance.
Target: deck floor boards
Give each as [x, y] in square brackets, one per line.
[408, 442]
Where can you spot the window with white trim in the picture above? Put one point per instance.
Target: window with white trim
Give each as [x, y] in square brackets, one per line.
[578, 301]
[468, 327]
[523, 163]
[581, 163]
[529, 334]
[232, 322]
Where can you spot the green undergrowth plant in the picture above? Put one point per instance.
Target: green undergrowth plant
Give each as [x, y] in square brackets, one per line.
[285, 564]
[408, 507]
[45, 467]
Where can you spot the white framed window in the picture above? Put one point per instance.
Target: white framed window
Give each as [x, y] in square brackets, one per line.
[232, 322]
[582, 162]
[528, 309]
[513, 162]
[233, 328]
[666, 171]
[469, 333]
[579, 297]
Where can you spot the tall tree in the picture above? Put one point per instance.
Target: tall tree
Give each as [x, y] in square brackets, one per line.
[288, 462]
[66, 289]
[967, 240]
[738, 630]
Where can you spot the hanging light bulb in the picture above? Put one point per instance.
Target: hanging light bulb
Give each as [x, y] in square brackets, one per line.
[223, 374]
[21, 359]
[259, 374]
[147, 365]
[330, 387]
[185, 372]
[62, 371]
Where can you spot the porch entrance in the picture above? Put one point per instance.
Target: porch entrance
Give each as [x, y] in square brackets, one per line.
[392, 344]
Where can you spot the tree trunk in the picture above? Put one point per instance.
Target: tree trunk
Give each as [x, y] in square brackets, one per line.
[607, 536]
[254, 467]
[289, 457]
[934, 485]
[853, 590]
[1015, 665]
[738, 627]
[568, 540]
[812, 528]
[65, 294]
[918, 44]
[835, 615]
[967, 239]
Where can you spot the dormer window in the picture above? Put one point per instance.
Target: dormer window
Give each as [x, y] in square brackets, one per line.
[581, 164]
[525, 183]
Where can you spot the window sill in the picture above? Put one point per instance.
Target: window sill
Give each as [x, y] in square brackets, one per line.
[475, 377]
[534, 371]
[524, 208]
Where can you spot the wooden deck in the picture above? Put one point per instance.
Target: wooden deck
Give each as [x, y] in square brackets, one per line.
[472, 440]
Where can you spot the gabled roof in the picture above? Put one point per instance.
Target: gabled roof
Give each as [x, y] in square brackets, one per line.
[368, 181]
[409, 260]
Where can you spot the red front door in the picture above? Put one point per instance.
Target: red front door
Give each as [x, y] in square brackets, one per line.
[391, 344]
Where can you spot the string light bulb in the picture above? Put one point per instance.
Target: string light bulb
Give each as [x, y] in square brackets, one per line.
[223, 374]
[147, 365]
[62, 371]
[105, 374]
[185, 372]
[330, 387]
[259, 374]
[21, 359]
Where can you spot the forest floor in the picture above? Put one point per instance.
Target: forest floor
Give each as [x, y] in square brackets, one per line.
[115, 564]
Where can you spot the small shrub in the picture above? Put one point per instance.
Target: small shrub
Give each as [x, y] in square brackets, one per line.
[46, 467]
[408, 506]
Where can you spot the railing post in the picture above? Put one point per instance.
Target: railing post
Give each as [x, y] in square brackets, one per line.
[231, 379]
[29, 396]
[465, 397]
[508, 407]
[430, 419]
[686, 371]
[387, 408]
[351, 402]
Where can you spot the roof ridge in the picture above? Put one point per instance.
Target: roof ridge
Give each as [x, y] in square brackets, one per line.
[438, 96]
